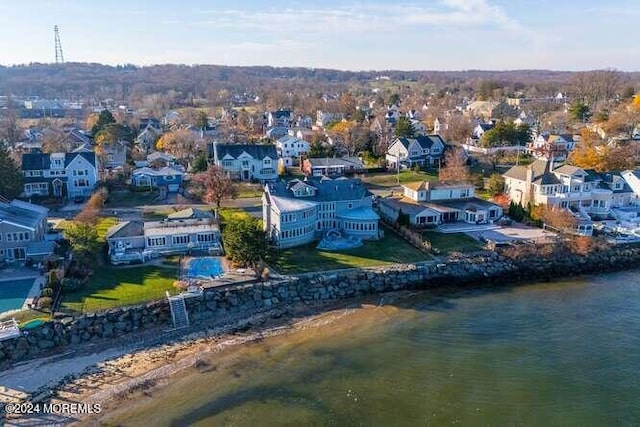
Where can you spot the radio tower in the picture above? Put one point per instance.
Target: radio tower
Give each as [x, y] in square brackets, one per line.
[58, 46]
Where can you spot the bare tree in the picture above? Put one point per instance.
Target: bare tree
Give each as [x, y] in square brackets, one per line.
[455, 166]
[214, 185]
[458, 129]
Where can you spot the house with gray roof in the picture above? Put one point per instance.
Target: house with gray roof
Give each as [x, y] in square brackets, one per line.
[435, 203]
[181, 232]
[61, 175]
[586, 193]
[423, 150]
[332, 166]
[246, 162]
[23, 227]
[299, 212]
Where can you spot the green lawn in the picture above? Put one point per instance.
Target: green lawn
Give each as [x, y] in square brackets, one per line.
[452, 242]
[391, 179]
[113, 287]
[102, 226]
[229, 214]
[390, 250]
[126, 198]
[249, 190]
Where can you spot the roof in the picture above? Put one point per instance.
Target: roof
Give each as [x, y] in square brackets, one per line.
[22, 213]
[89, 156]
[125, 229]
[35, 161]
[165, 171]
[156, 155]
[44, 247]
[520, 172]
[417, 186]
[287, 204]
[327, 190]
[359, 214]
[190, 213]
[547, 179]
[567, 170]
[257, 151]
[335, 161]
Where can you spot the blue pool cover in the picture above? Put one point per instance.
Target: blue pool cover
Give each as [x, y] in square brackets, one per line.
[205, 267]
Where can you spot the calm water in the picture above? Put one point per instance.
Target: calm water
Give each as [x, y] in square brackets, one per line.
[566, 353]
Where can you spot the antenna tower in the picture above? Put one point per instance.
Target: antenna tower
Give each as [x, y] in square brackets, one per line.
[58, 46]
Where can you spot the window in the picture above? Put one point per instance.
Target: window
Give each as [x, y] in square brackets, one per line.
[156, 241]
[205, 238]
[267, 161]
[180, 240]
[227, 163]
[245, 163]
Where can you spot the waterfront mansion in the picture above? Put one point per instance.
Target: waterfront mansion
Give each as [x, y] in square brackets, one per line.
[298, 212]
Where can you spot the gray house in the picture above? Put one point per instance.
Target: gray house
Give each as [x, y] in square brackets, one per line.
[23, 227]
[180, 232]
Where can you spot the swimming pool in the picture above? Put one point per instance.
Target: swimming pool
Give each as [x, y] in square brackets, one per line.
[13, 293]
[204, 267]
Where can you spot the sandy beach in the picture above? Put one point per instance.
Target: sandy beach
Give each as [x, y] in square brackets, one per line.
[108, 372]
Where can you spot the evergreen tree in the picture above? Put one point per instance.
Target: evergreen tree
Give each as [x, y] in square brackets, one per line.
[404, 128]
[245, 242]
[11, 183]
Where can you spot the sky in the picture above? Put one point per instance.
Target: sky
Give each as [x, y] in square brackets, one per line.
[346, 35]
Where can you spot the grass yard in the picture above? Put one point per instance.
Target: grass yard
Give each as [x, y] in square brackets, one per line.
[452, 242]
[126, 198]
[390, 250]
[229, 214]
[249, 190]
[102, 226]
[114, 287]
[156, 214]
[391, 179]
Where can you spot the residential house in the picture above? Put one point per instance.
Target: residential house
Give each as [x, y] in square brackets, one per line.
[298, 212]
[330, 166]
[168, 177]
[556, 146]
[181, 232]
[435, 203]
[276, 132]
[418, 127]
[290, 149]
[480, 130]
[439, 125]
[323, 118]
[246, 162]
[23, 227]
[279, 118]
[584, 192]
[423, 150]
[60, 174]
[114, 155]
[146, 140]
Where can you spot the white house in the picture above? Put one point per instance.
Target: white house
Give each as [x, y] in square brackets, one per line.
[422, 150]
[298, 212]
[323, 118]
[60, 174]
[290, 148]
[433, 203]
[556, 146]
[584, 192]
[246, 162]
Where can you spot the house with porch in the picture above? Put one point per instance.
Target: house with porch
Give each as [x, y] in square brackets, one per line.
[583, 192]
[246, 162]
[61, 175]
[298, 212]
[23, 227]
[423, 150]
[179, 233]
[434, 203]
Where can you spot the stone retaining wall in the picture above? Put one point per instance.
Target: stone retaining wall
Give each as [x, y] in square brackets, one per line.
[248, 299]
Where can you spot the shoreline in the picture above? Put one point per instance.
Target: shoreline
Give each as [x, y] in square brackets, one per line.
[108, 375]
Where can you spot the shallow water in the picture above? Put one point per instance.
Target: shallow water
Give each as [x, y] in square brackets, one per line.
[564, 353]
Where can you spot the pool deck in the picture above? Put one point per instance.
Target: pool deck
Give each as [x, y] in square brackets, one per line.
[230, 275]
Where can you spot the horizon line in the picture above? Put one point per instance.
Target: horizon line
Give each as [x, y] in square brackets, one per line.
[506, 70]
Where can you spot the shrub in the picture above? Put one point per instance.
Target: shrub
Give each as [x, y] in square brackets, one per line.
[47, 292]
[44, 303]
[71, 284]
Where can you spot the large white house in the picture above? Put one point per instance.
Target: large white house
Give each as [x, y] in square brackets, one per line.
[547, 146]
[584, 192]
[298, 212]
[64, 175]
[423, 150]
[246, 162]
[433, 203]
[290, 148]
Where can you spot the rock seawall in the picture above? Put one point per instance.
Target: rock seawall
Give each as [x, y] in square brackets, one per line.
[248, 299]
